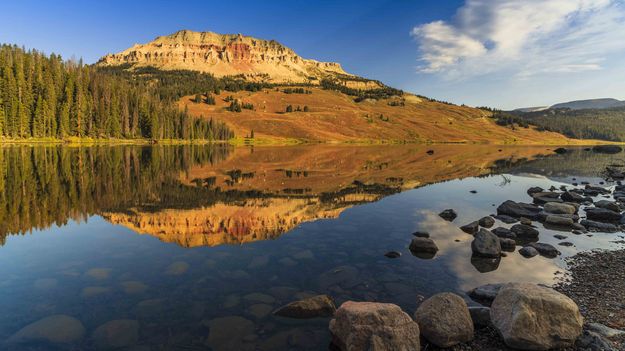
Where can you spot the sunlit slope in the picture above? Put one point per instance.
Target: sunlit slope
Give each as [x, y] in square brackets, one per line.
[335, 117]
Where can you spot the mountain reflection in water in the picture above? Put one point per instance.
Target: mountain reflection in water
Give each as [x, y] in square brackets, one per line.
[213, 195]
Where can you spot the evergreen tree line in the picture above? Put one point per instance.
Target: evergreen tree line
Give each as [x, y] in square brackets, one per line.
[46, 97]
[603, 124]
[45, 185]
[380, 93]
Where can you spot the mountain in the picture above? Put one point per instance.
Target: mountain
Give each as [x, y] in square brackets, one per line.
[266, 93]
[590, 104]
[230, 55]
[531, 109]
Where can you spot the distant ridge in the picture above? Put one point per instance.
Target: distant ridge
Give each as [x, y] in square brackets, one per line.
[590, 104]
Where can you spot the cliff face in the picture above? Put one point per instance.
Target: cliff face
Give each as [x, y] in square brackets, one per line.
[225, 55]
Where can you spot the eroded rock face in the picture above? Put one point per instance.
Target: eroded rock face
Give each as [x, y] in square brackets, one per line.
[229, 54]
[532, 317]
[313, 307]
[444, 320]
[373, 326]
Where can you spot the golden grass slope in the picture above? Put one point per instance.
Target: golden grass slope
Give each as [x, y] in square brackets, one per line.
[336, 117]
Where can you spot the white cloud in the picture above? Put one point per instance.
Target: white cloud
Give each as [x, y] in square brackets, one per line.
[523, 38]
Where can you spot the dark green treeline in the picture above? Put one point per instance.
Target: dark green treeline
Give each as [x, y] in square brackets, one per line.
[45, 97]
[45, 185]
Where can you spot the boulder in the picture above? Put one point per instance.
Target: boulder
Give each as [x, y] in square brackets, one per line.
[486, 244]
[545, 249]
[506, 219]
[504, 233]
[373, 326]
[525, 221]
[423, 245]
[528, 252]
[507, 244]
[524, 231]
[533, 317]
[546, 196]
[605, 331]
[570, 196]
[471, 228]
[448, 215]
[485, 294]
[599, 226]
[487, 222]
[420, 234]
[480, 315]
[602, 215]
[444, 320]
[518, 209]
[559, 221]
[55, 329]
[608, 205]
[591, 341]
[559, 208]
[533, 190]
[312, 307]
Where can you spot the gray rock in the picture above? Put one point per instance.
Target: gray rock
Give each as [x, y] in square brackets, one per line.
[545, 249]
[533, 190]
[485, 294]
[608, 205]
[116, 334]
[487, 222]
[448, 215]
[470, 228]
[55, 329]
[559, 221]
[423, 245]
[524, 231]
[602, 215]
[480, 316]
[506, 219]
[559, 208]
[605, 331]
[486, 244]
[312, 307]
[545, 197]
[444, 320]
[518, 209]
[373, 326]
[507, 244]
[591, 341]
[504, 233]
[525, 221]
[528, 252]
[533, 317]
[599, 226]
[420, 234]
[571, 196]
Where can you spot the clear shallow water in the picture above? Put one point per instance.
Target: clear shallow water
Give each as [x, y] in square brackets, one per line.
[198, 246]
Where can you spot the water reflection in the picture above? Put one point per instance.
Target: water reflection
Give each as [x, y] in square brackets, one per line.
[84, 259]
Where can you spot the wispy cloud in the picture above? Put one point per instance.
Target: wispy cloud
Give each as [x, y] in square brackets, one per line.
[522, 38]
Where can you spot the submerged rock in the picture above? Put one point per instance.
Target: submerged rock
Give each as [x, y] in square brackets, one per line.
[545, 249]
[393, 254]
[229, 333]
[486, 244]
[373, 326]
[420, 234]
[485, 294]
[444, 320]
[448, 215]
[423, 246]
[599, 226]
[56, 329]
[313, 307]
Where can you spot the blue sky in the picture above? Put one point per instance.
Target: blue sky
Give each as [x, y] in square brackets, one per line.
[501, 53]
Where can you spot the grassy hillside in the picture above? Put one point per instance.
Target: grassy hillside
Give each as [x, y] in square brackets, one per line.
[332, 116]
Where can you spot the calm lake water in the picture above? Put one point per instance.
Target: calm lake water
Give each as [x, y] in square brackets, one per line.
[193, 247]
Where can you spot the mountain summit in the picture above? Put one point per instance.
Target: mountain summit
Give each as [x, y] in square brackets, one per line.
[227, 55]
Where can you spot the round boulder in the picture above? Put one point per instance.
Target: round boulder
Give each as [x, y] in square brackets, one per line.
[486, 244]
[559, 208]
[56, 329]
[444, 320]
[373, 326]
[533, 317]
[312, 307]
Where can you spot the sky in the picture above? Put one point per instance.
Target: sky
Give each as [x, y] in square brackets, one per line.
[497, 53]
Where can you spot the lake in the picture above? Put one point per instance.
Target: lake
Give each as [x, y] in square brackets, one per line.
[193, 247]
